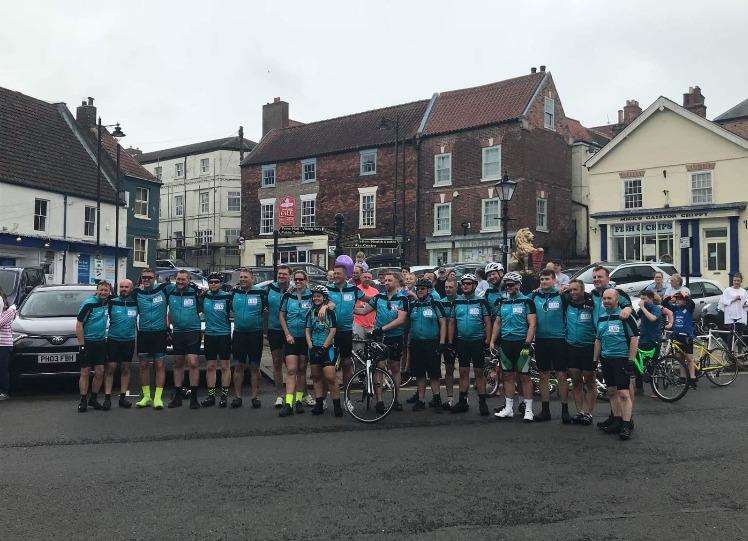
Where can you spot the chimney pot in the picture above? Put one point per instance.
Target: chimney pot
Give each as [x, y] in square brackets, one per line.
[90, 100]
[694, 101]
[542, 69]
[620, 116]
[276, 100]
[533, 70]
[85, 113]
[631, 111]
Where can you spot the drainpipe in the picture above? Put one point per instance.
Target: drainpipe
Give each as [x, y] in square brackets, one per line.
[417, 209]
[64, 235]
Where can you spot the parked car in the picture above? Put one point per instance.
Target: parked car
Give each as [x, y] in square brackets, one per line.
[703, 293]
[420, 270]
[170, 276]
[630, 276]
[17, 282]
[175, 264]
[317, 274]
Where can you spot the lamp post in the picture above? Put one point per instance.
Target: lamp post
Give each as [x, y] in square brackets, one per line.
[339, 233]
[117, 133]
[505, 188]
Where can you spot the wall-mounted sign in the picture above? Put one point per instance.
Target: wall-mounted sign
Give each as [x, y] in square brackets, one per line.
[287, 211]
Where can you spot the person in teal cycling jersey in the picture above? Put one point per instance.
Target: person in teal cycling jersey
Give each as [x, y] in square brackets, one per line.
[90, 330]
[550, 344]
[615, 348]
[294, 308]
[123, 329]
[494, 275]
[449, 355]
[580, 342]
[248, 305]
[428, 335]
[471, 324]
[320, 331]
[185, 305]
[276, 338]
[515, 325]
[601, 281]
[217, 340]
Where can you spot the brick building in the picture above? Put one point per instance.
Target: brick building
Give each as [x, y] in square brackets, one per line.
[414, 173]
[735, 119]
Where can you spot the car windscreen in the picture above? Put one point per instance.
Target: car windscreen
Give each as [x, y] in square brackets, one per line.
[668, 269]
[51, 303]
[8, 281]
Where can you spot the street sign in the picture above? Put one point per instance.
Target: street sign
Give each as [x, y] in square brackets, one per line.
[685, 242]
[370, 244]
[290, 230]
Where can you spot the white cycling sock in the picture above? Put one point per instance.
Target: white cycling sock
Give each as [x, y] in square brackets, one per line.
[509, 404]
[528, 404]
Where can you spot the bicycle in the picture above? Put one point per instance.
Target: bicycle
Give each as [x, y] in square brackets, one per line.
[370, 384]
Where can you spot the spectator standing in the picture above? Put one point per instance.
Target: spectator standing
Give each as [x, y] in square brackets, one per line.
[7, 314]
[361, 260]
[483, 284]
[734, 303]
[363, 324]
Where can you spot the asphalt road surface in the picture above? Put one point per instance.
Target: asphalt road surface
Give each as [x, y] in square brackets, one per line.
[233, 474]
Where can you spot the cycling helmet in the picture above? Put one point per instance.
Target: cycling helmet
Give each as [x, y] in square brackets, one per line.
[215, 276]
[490, 267]
[513, 277]
[423, 282]
[320, 289]
[469, 277]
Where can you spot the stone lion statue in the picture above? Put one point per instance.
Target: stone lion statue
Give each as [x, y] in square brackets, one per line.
[524, 249]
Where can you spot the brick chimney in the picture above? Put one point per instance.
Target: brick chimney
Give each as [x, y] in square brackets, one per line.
[85, 114]
[630, 111]
[134, 152]
[274, 115]
[694, 101]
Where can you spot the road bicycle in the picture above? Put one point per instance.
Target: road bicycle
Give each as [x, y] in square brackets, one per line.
[370, 393]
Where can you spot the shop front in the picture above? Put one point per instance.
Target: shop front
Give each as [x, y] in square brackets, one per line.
[464, 249]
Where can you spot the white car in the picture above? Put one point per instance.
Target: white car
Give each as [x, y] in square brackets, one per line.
[703, 292]
[631, 277]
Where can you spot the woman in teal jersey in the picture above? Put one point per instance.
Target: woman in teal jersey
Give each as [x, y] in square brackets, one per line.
[320, 334]
[295, 306]
[90, 329]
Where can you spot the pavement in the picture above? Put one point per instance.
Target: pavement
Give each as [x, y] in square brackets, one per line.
[238, 474]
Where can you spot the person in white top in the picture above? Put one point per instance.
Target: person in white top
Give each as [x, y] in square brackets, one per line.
[7, 314]
[734, 302]
[483, 285]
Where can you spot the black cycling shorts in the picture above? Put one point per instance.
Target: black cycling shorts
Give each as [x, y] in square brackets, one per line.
[120, 351]
[217, 347]
[94, 354]
[581, 357]
[186, 342]
[449, 356]
[424, 358]
[323, 357]
[686, 343]
[152, 344]
[471, 352]
[550, 354]
[247, 347]
[510, 353]
[276, 339]
[394, 348]
[344, 343]
[298, 347]
[617, 372]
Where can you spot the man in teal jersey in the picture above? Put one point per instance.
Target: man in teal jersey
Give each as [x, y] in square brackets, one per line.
[515, 325]
[276, 338]
[152, 332]
[123, 328]
[249, 305]
[217, 340]
[344, 296]
[185, 305]
[295, 306]
[615, 348]
[471, 321]
[391, 309]
[321, 328]
[90, 329]
[428, 336]
[494, 275]
[550, 344]
[449, 355]
[580, 342]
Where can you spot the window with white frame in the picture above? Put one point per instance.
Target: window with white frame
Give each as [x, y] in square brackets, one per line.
[233, 201]
[716, 248]
[41, 214]
[268, 176]
[178, 205]
[308, 210]
[231, 237]
[267, 216]
[203, 238]
[157, 172]
[442, 169]
[490, 214]
[632, 193]
[139, 251]
[178, 239]
[204, 202]
[701, 187]
[492, 163]
[367, 207]
[179, 169]
[141, 202]
[369, 162]
[204, 165]
[309, 170]
[442, 218]
[541, 214]
[549, 114]
[89, 221]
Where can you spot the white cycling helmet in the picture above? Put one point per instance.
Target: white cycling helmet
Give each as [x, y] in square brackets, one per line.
[321, 289]
[513, 277]
[490, 267]
[469, 277]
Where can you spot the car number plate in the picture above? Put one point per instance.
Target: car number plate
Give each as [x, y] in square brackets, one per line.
[54, 358]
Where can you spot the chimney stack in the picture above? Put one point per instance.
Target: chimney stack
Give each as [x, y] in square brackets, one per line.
[620, 116]
[134, 152]
[533, 70]
[542, 69]
[630, 111]
[694, 101]
[85, 114]
[274, 115]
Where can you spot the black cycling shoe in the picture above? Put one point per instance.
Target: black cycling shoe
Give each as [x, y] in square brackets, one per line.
[285, 411]
[460, 407]
[543, 416]
[337, 408]
[603, 425]
[176, 400]
[209, 402]
[256, 403]
[82, 406]
[693, 385]
[93, 403]
[626, 430]
[577, 419]
[397, 406]
[436, 401]
[107, 404]
[223, 401]
[413, 399]
[419, 406]
[318, 408]
[614, 427]
[194, 404]
[236, 402]
[483, 408]
[124, 402]
[586, 420]
[298, 407]
[520, 409]
[380, 407]
[446, 405]
[565, 417]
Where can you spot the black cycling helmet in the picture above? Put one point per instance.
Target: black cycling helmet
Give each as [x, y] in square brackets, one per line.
[215, 276]
[423, 282]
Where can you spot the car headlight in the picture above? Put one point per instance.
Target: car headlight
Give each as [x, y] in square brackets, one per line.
[18, 336]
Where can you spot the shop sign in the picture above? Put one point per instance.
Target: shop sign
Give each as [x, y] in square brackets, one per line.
[622, 230]
[287, 211]
[665, 216]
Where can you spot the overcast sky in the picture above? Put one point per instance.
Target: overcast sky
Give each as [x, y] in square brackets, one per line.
[179, 72]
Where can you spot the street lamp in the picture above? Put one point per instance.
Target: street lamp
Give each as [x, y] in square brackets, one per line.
[116, 133]
[505, 188]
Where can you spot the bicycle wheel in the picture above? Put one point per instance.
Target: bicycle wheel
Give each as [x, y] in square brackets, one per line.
[668, 379]
[361, 403]
[720, 366]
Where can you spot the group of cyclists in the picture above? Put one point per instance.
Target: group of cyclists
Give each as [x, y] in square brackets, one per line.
[572, 332]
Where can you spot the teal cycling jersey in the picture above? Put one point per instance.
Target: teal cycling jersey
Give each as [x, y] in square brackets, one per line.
[152, 305]
[469, 314]
[493, 294]
[580, 329]
[615, 334]
[274, 299]
[295, 307]
[344, 299]
[320, 329]
[650, 332]
[94, 315]
[550, 310]
[624, 301]
[216, 311]
[387, 309]
[425, 317]
[248, 306]
[514, 313]
[123, 318]
[448, 305]
[185, 306]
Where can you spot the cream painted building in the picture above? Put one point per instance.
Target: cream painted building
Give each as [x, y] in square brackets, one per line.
[671, 175]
